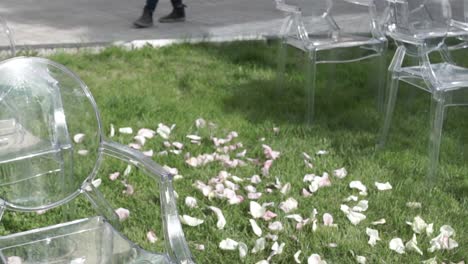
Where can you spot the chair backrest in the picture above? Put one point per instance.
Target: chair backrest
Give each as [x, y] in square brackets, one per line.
[50, 134]
[6, 37]
[422, 23]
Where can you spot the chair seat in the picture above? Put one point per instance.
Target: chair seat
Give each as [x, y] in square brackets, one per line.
[450, 76]
[90, 240]
[324, 42]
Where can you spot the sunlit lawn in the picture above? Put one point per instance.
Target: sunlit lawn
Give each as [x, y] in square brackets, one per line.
[234, 86]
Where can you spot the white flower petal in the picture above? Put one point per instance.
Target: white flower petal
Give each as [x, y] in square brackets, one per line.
[321, 152]
[256, 229]
[14, 260]
[430, 261]
[200, 247]
[327, 219]
[190, 221]
[125, 130]
[383, 186]
[178, 145]
[140, 140]
[256, 210]
[289, 205]
[443, 240]
[351, 198]
[286, 188]
[418, 225]
[315, 259]
[296, 217]
[200, 123]
[122, 213]
[361, 259]
[164, 131]
[361, 206]
[414, 205]
[255, 179]
[354, 217]
[396, 244]
[412, 245]
[340, 173]
[219, 214]
[191, 202]
[112, 131]
[259, 245]
[127, 171]
[148, 153]
[83, 152]
[194, 137]
[151, 236]
[373, 236]
[242, 250]
[359, 186]
[146, 133]
[275, 226]
[228, 244]
[379, 222]
[78, 138]
[296, 256]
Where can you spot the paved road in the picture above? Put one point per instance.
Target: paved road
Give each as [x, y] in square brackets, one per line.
[58, 23]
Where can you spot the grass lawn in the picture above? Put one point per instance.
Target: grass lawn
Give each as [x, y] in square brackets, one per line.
[234, 86]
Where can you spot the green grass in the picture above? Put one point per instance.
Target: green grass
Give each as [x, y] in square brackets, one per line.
[234, 86]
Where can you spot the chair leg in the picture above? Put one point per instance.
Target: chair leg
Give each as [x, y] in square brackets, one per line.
[101, 205]
[381, 75]
[392, 96]
[437, 120]
[281, 67]
[311, 68]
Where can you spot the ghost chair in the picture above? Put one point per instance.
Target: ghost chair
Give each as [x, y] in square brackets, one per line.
[458, 29]
[323, 37]
[7, 43]
[419, 28]
[44, 164]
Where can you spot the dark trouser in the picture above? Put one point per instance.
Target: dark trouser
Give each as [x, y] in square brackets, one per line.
[151, 4]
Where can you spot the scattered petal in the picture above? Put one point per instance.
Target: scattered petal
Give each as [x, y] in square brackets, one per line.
[430, 261]
[164, 131]
[122, 213]
[219, 214]
[361, 206]
[228, 244]
[269, 215]
[178, 145]
[286, 188]
[361, 259]
[396, 244]
[83, 152]
[296, 256]
[383, 186]
[242, 250]
[443, 240]
[419, 225]
[114, 176]
[259, 245]
[412, 245]
[328, 219]
[146, 133]
[256, 229]
[127, 171]
[200, 247]
[340, 173]
[289, 205]
[269, 153]
[255, 179]
[413, 205]
[351, 198]
[125, 130]
[14, 260]
[191, 202]
[78, 138]
[256, 210]
[373, 236]
[190, 221]
[200, 123]
[151, 236]
[379, 222]
[354, 217]
[112, 131]
[148, 153]
[140, 140]
[275, 226]
[321, 152]
[359, 186]
[315, 259]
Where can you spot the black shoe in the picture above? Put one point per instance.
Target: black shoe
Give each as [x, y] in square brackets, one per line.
[146, 19]
[177, 15]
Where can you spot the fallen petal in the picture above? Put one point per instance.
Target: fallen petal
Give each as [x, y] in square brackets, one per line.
[412, 245]
[259, 245]
[296, 256]
[242, 250]
[219, 214]
[275, 226]
[256, 210]
[379, 222]
[256, 229]
[191, 202]
[373, 236]
[190, 221]
[396, 244]
[151, 236]
[289, 205]
[340, 173]
[125, 130]
[122, 213]
[228, 244]
[383, 186]
[78, 138]
[315, 259]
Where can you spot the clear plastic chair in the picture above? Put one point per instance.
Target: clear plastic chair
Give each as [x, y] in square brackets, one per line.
[459, 24]
[7, 35]
[322, 31]
[42, 166]
[419, 28]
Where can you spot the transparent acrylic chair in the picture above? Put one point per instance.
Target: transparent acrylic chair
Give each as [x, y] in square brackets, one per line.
[6, 39]
[43, 105]
[319, 32]
[458, 24]
[419, 28]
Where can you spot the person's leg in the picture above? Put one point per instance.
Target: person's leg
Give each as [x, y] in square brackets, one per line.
[177, 14]
[146, 19]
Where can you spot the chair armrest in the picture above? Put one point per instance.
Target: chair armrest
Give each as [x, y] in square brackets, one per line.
[282, 6]
[176, 244]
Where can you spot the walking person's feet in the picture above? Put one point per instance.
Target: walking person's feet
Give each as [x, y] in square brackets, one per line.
[146, 19]
[177, 15]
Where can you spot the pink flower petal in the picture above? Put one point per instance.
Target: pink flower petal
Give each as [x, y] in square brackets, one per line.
[122, 213]
[151, 236]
